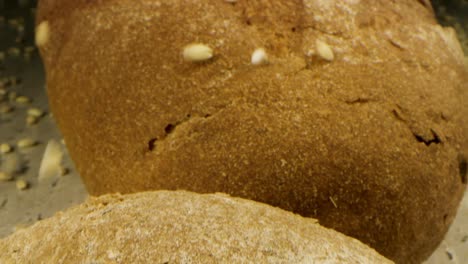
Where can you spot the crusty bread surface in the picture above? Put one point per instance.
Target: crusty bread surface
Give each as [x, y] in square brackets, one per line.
[181, 227]
[372, 140]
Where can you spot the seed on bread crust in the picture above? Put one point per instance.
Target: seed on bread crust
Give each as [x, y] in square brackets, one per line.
[259, 57]
[42, 34]
[324, 50]
[197, 52]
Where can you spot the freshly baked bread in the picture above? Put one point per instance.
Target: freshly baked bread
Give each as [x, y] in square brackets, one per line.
[347, 111]
[181, 227]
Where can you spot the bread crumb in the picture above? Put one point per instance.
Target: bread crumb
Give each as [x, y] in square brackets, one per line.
[197, 52]
[22, 184]
[324, 50]
[26, 143]
[42, 34]
[5, 148]
[259, 57]
[50, 164]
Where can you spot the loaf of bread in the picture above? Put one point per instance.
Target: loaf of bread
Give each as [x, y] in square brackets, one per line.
[181, 227]
[348, 111]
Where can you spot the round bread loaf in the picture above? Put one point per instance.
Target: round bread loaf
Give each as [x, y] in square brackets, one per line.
[347, 111]
[181, 227]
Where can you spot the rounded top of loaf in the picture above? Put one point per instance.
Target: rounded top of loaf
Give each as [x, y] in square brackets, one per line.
[358, 118]
[181, 227]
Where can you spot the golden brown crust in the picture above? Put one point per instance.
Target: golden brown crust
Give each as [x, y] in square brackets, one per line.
[369, 143]
[181, 227]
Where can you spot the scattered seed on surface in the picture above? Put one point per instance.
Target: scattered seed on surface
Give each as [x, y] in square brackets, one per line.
[12, 164]
[14, 51]
[5, 148]
[26, 143]
[197, 52]
[36, 112]
[324, 50]
[14, 22]
[31, 120]
[6, 109]
[29, 49]
[259, 57]
[23, 99]
[4, 176]
[22, 184]
[42, 34]
[3, 91]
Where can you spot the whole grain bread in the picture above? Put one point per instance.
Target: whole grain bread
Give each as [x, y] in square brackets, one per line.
[356, 117]
[181, 227]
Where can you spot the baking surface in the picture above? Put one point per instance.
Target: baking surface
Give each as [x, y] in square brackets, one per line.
[39, 200]
[19, 208]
